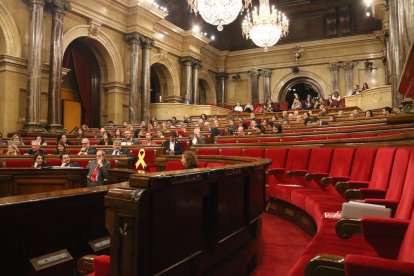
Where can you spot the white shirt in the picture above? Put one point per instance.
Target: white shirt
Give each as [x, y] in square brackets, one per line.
[238, 108]
[172, 145]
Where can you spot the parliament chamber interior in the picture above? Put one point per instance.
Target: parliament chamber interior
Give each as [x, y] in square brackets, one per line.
[196, 137]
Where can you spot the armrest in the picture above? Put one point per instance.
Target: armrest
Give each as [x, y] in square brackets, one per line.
[272, 171]
[295, 173]
[325, 265]
[346, 228]
[384, 235]
[343, 186]
[310, 176]
[352, 194]
[393, 205]
[332, 180]
[366, 265]
[85, 264]
[358, 184]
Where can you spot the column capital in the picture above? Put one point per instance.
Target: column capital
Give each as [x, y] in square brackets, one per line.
[334, 66]
[196, 63]
[349, 65]
[188, 60]
[59, 5]
[146, 42]
[266, 72]
[222, 75]
[253, 73]
[38, 2]
[132, 38]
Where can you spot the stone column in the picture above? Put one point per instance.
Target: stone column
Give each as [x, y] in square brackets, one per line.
[348, 67]
[34, 66]
[221, 91]
[54, 117]
[133, 40]
[254, 76]
[395, 50]
[266, 83]
[196, 93]
[186, 80]
[387, 58]
[334, 69]
[146, 45]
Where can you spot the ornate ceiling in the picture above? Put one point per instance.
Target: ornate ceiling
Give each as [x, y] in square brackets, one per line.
[309, 20]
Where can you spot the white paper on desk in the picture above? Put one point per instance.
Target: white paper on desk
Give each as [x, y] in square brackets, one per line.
[357, 210]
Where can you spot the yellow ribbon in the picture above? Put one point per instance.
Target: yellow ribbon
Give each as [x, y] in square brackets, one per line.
[141, 161]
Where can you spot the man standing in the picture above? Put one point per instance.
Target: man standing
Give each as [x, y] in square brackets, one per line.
[86, 148]
[66, 163]
[172, 146]
[98, 169]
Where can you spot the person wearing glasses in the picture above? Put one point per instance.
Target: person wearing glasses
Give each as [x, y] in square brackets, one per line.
[98, 170]
[86, 148]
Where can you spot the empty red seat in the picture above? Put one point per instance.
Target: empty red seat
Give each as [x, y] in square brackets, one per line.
[18, 163]
[207, 151]
[230, 151]
[253, 152]
[173, 166]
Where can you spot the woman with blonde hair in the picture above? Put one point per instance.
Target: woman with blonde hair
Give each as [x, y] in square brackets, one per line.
[189, 160]
[13, 150]
[17, 140]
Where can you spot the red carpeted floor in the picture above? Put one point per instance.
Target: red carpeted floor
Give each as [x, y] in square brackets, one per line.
[281, 245]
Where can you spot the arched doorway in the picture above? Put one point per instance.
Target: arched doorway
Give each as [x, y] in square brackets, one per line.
[202, 89]
[302, 87]
[80, 89]
[161, 83]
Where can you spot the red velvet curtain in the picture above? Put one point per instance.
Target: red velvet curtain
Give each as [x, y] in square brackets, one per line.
[83, 74]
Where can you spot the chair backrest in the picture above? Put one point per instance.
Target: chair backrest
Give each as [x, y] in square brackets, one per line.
[406, 253]
[208, 151]
[230, 151]
[342, 162]
[298, 159]
[381, 171]
[173, 166]
[363, 163]
[398, 173]
[253, 152]
[277, 155]
[406, 205]
[320, 160]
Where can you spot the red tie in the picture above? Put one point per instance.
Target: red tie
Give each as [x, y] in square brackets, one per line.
[94, 174]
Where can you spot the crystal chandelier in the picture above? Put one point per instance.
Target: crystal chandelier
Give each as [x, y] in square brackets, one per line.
[265, 27]
[218, 12]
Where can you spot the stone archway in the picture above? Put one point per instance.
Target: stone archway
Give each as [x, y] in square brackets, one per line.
[281, 89]
[206, 82]
[168, 74]
[162, 84]
[9, 34]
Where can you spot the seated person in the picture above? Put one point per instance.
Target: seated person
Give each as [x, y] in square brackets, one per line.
[387, 111]
[128, 139]
[189, 160]
[35, 149]
[336, 96]
[148, 140]
[308, 105]
[197, 137]
[214, 131]
[231, 128]
[248, 108]
[98, 170]
[106, 139]
[172, 146]
[356, 90]
[39, 161]
[42, 142]
[240, 131]
[277, 128]
[364, 86]
[118, 150]
[269, 106]
[60, 148]
[66, 163]
[16, 139]
[12, 150]
[369, 114]
[86, 148]
[238, 108]
[2, 143]
[296, 104]
[64, 139]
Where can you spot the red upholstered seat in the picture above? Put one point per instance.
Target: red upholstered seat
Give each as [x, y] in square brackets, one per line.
[226, 141]
[247, 141]
[201, 164]
[173, 166]
[290, 139]
[207, 151]
[18, 163]
[278, 157]
[230, 151]
[101, 265]
[337, 136]
[253, 152]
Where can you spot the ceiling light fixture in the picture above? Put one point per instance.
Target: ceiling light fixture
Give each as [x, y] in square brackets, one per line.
[265, 26]
[218, 12]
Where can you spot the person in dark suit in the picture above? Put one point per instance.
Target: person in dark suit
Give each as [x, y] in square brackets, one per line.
[86, 147]
[36, 149]
[118, 150]
[98, 170]
[66, 162]
[39, 161]
[172, 146]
